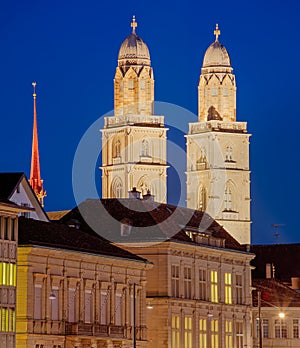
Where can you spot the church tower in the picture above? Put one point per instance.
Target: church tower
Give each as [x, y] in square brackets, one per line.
[35, 172]
[133, 139]
[218, 176]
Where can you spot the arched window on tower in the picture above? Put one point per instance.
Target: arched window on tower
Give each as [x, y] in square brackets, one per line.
[117, 188]
[117, 149]
[145, 148]
[228, 198]
[229, 154]
[202, 199]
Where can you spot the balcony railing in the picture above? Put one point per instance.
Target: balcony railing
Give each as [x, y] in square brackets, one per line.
[85, 329]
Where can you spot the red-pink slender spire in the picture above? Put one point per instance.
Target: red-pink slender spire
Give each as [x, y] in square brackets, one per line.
[35, 172]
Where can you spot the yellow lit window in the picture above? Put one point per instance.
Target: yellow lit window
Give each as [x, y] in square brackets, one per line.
[175, 331]
[214, 286]
[7, 274]
[228, 288]
[187, 332]
[12, 320]
[228, 334]
[202, 333]
[214, 333]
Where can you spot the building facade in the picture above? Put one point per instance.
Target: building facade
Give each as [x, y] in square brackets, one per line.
[199, 289]
[77, 291]
[218, 176]
[8, 271]
[280, 314]
[134, 139]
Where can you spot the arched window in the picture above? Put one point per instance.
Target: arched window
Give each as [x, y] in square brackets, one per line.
[117, 188]
[117, 149]
[202, 199]
[228, 198]
[145, 148]
[229, 154]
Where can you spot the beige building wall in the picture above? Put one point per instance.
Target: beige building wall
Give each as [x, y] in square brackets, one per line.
[92, 300]
[185, 307]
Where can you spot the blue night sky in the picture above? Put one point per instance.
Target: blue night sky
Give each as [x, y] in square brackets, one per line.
[70, 48]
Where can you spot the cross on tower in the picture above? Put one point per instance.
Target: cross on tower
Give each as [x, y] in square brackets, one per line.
[34, 94]
[217, 32]
[133, 24]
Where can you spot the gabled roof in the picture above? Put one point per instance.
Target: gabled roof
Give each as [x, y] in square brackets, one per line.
[9, 183]
[148, 221]
[275, 294]
[59, 236]
[284, 257]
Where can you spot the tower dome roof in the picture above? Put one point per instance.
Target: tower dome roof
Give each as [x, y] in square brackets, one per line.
[216, 54]
[133, 50]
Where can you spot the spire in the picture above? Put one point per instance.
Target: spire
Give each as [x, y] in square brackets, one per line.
[217, 32]
[133, 24]
[35, 173]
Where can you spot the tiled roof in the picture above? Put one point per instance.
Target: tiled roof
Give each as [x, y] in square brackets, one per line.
[59, 236]
[284, 257]
[148, 221]
[56, 215]
[8, 183]
[275, 294]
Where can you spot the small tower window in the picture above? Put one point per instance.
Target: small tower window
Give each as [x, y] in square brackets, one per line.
[145, 148]
[121, 86]
[117, 188]
[225, 92]
[229, 154]
[202, 199]
[117, 149]
[130, 84]
[228, 199]
[214, 91]
[142, 84]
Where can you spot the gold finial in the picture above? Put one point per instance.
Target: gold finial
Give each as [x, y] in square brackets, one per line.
[34, 84]
[133, 24]
[217, 32]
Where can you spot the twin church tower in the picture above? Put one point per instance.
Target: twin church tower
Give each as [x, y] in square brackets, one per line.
[135, 140]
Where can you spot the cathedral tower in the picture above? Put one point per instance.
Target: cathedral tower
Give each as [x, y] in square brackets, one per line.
[35, 172]
[133, 139]
[218, 176]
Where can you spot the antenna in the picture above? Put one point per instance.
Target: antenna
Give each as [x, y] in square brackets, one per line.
[277, 234]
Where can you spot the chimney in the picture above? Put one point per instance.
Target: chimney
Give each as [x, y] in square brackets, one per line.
[134, 193]
[148, 196]
[296, 283]
[269, 267]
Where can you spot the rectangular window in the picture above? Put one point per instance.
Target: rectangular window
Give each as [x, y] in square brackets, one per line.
[214, 286]
[187, 282]
[239, 335]
[202, 284]
[12, 320]
[296, 331]
[142, 84]
[13, 227]
[175, 331]
[12, 281]
[228, 288]
[265, 328]
[280, 328]
[103, 308]
[202, 333]
[87, 306]
[228, 334]
[214, 91]
[118, 310]
[5, 228]
[72, 308]
[188, 332]
[54, 304]
[131, 84]
[37, 302]
[214, 329]
[175, 281]
[239, 288]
